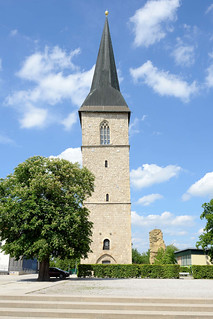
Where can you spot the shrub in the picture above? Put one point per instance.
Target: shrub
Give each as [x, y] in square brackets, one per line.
[84, 271]
[166, 257]
[129, 271]
[202, 272]
[170, 271]
[159, 271]
[115, 271]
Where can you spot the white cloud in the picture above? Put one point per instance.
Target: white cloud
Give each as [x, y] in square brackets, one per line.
[202, 188]
[34, 117]
[209, 8]
[149, 199]
[183, 54]
[52, 78]
[209, 77]
[175, 232]
[149, 174]
[156, 133]
[71, 154]
[181, 245]
[140, 240]
[70, 121]
[151, 22]
[120, 77]
[13, 32]
[40, 64]
[200, 231]
[134, 125]
[165, 219]
[5, 139]
[163, 82]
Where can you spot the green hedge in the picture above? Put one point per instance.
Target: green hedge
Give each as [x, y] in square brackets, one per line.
[202, 272]
[159, 271]
[115, 271]
[84, 270]
[128, 271]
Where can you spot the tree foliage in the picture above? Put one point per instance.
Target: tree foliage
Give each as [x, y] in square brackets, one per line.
[167, 256]
[65, 264]
[138, 258]
[206, 239]
[42, 212]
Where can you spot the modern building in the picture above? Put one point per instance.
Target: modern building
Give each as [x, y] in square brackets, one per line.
[192, 256]
[9, 265]
[104, 118]
[4, 261]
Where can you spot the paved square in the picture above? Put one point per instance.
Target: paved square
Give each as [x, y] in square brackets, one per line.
[157, 288]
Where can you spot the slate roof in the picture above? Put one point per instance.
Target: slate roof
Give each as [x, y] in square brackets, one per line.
[105, 95]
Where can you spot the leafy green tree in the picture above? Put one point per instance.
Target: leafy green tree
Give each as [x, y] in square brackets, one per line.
[42, 212]
[206, 239]
[167, 256]
[138, 258]
[145, 257]
[65, 264]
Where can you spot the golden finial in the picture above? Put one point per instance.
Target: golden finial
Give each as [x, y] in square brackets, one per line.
[106, 13]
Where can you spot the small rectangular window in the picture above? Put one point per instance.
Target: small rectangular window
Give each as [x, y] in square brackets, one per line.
[106, 245]
[106, 163]
[107, 197]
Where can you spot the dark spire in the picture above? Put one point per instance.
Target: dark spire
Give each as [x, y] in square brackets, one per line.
[105, 69]
[105, 95]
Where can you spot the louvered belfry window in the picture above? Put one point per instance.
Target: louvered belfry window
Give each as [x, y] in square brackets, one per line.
[104, 133]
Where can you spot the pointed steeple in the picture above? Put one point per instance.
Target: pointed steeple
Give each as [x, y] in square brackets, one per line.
[105, 95]
[105, 69]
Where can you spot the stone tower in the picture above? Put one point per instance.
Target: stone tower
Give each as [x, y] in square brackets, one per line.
[104, 117]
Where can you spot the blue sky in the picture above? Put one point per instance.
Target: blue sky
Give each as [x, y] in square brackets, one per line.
[164, 56]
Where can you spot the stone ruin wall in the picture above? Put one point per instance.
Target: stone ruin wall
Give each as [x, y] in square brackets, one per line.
[155, 242]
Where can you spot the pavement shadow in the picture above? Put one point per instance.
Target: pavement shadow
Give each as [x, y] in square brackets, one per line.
[70, 279]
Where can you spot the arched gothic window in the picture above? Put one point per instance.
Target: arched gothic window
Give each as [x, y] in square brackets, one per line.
[104, 133]
[106, 244]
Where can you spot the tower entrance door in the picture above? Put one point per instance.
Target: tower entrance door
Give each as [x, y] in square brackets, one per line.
[106, 259]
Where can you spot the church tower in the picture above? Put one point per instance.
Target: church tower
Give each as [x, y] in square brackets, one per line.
[104, 117]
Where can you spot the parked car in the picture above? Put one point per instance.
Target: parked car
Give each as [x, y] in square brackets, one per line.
[58, 273]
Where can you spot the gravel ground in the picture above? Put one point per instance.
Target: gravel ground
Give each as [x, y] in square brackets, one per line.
[166, 288]
[159, 288]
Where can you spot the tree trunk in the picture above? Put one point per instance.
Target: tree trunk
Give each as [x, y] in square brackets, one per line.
[44, 270]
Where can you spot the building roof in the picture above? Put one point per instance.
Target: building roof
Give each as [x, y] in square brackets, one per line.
[105, 95]
[187, 251]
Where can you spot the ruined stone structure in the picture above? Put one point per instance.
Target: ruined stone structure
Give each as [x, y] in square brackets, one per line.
[104, 117]
[155, 242]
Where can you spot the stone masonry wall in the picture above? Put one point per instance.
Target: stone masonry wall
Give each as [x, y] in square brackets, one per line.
[155, 242]
[113, 179]
[118, 123]
[113, 222]
[111, 219]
